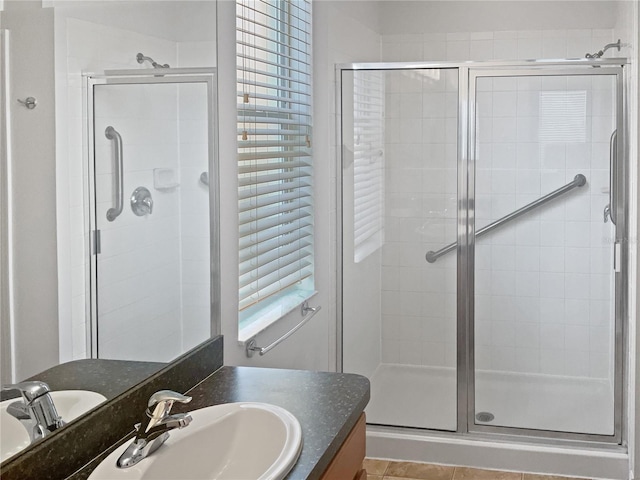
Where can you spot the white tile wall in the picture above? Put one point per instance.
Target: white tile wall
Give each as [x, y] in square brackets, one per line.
[418, 303]
[561, 256]
[543, 282]
[498, 45]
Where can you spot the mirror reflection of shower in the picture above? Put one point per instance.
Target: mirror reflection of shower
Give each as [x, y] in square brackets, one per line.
[158, 249]
[142, 58]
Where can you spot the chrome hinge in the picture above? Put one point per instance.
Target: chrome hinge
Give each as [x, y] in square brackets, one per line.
[96, 242]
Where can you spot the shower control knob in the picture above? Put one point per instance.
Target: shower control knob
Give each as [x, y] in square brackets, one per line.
[29, 102]
[141, 202]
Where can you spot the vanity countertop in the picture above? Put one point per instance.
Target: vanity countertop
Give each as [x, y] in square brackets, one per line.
[107, 377]
[327, 405]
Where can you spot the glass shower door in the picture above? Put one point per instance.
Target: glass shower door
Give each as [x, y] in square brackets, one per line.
[548, 224]
[152, 279]
[399, 187]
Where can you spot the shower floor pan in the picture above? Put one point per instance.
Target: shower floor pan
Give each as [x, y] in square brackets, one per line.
[425, 397]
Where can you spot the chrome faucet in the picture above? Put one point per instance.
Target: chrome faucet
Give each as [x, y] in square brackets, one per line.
[154, 429]
[36, 411]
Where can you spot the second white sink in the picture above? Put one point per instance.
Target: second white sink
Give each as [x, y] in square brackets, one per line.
[233, 441]
[70, 404]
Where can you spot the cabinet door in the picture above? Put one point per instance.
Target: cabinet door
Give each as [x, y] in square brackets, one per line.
[347, 464]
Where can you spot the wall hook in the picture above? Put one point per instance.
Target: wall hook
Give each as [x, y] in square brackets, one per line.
[29, 102]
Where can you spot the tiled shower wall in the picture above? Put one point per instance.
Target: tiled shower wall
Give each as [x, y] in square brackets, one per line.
[502, 45]
[544, 283]
[531, 308]
[83, 46]
[418, 299]
[139, 266]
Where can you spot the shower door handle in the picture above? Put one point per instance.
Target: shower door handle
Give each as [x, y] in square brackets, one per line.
[611, 209]
[112, 134]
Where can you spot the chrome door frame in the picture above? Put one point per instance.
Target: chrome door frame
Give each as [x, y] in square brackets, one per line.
[207, 76]
[466, 240]
[621, 278]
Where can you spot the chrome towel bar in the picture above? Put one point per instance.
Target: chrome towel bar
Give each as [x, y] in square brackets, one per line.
[251, 346]
[578, 181]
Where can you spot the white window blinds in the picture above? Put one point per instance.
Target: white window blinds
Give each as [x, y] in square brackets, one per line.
[274, 153]
[368, 162]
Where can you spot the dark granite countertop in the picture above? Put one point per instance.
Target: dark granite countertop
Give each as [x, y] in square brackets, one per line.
[107, 377]
[327, 405]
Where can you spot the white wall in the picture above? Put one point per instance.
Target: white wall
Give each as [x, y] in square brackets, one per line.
[408, 17]
[6, 340]
[338, 37]
[34, 193]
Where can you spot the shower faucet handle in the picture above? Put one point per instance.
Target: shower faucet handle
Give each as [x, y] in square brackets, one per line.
[141, 202]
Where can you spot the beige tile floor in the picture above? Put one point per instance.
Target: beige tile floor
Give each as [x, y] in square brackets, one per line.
[389, 470]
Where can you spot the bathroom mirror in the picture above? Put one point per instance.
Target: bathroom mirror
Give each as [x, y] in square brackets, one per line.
[101, 99]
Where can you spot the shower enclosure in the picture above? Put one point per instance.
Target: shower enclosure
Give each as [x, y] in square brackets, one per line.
[483, 282]
[153, 253]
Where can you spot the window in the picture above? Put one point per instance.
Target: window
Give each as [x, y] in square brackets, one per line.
[274, 159]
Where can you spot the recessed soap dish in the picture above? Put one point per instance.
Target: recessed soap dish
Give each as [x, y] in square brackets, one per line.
[165, 179]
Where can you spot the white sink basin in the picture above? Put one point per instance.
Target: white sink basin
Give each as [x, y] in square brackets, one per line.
[233, 441]
[70, 404]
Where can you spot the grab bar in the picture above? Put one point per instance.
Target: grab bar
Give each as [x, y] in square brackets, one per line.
[305, 309]
[578, 181]
[610, 210]
[112, 134]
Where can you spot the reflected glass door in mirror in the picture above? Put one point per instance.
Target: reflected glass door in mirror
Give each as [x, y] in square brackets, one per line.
[100, 300]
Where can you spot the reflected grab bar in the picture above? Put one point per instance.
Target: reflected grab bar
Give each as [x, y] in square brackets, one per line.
[578, 181]
[112, 134]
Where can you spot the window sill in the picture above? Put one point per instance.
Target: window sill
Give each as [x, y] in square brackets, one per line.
[262, 318]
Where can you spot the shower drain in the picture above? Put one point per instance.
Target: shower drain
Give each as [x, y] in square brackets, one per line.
[484, 417]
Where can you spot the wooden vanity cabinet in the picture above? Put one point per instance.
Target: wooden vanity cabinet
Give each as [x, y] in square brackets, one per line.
[347, 464]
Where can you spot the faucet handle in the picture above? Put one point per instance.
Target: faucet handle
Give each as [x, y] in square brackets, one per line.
[29, 390]
[167, 396]
[160, 403]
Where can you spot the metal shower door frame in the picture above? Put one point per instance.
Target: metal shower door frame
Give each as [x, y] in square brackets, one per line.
[466, 255]
[206, 76]
[467, 73]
